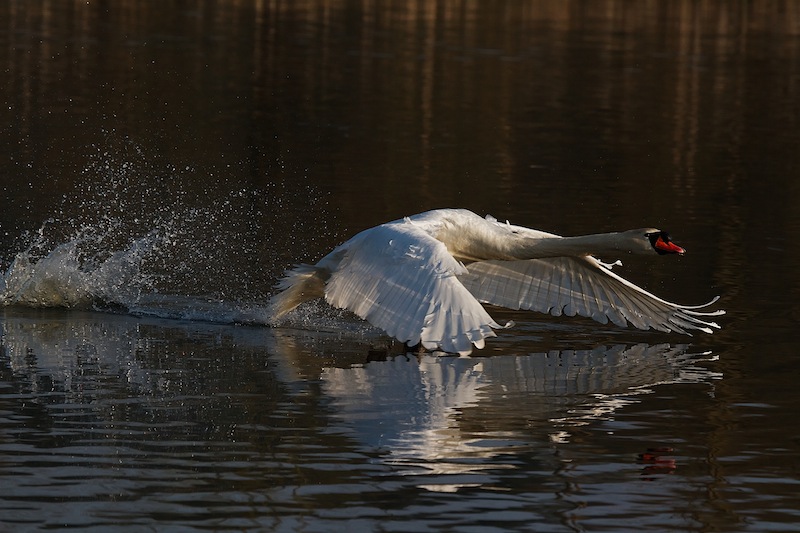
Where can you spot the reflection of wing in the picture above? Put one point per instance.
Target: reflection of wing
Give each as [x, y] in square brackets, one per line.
[443, 413]
[604, 370]
[402, 280]
[410, 407]
[582, 286]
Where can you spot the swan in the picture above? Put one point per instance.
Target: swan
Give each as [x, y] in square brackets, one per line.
[423, 279]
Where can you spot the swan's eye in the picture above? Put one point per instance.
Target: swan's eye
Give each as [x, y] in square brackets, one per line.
[654, 235]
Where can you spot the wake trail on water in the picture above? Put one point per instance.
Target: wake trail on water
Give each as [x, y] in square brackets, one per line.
[141, 238]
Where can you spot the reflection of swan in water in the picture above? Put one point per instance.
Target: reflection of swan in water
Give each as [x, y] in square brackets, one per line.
[421, 414]
[409, 278]
[420, 391]
[439, 414]
[427, 393]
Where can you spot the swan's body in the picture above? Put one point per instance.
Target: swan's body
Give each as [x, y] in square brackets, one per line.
[422, 279]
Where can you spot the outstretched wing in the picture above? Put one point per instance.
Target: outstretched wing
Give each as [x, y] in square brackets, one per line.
[580, 286]
[402, 280]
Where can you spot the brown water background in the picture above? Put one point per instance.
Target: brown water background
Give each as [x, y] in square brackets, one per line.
[164, 162]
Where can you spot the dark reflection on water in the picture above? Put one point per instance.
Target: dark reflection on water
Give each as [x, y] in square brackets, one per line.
[198, 149]
[110, 420]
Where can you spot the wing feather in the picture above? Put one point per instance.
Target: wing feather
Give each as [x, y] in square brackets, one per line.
[580, 285]
[584, 289]
[404, 281]
[551, 295]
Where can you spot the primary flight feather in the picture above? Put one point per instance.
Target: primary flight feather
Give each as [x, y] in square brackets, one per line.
[422, 279]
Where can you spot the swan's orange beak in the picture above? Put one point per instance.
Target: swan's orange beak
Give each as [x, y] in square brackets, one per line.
[665, 246]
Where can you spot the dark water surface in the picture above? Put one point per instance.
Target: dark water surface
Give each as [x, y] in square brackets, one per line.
[164, 162]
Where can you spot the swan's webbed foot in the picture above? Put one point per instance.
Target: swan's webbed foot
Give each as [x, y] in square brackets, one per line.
[610, 266]
[415, 348]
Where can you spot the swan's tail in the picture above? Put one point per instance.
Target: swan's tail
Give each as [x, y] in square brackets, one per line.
[301, 284]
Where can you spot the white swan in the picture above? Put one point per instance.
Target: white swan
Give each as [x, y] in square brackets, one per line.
[422, 279]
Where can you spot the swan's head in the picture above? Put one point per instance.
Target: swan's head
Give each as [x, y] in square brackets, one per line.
[661, 243]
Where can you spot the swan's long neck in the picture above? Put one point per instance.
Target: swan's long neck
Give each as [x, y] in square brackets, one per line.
[540, 248]
[511, 246]
[471, 238]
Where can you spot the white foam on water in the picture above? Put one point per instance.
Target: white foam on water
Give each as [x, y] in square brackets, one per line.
[63, 279]
[143, 239]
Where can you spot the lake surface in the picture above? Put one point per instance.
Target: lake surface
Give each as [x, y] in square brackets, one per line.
[164, 164]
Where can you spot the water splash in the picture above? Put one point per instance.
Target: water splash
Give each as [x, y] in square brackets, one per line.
[144, 237]
[64, 277]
